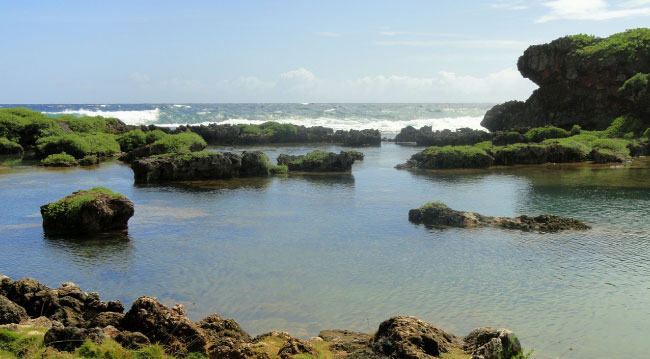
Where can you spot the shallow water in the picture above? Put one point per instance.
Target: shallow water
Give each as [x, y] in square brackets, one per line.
[305, 253]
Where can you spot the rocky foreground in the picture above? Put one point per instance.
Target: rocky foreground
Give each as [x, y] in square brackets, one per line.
[70, 317]
[437, 214]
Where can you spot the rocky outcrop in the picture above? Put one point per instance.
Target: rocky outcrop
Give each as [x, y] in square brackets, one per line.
[132, 340]
[320, 161]
[436, 214]
[425, 136]
[579, 78]
[449, 158]
[168, 326]
[11, 312]
[489, 343]
[411, 338]
[295, 346]
[70, 338]
[89, 211]
[200, 166]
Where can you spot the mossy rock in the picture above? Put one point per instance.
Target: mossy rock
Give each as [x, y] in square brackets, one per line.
[449, 157]
[88, 211]
[320, 161]
[8, 147]
[59, 160]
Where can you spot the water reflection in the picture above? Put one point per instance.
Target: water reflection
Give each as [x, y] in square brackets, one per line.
[252, 183]
[328, 179]
[106, 249]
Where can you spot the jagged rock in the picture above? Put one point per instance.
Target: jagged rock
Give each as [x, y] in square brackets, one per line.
[403, 337]
[200, 166]
[11, 312]
[295, 346]
[132, 340]
[105, 319]
[579, 78]
[320, 161]
[216, 328]
[90, 211]
[489, 343]
[436, 214]
[110, 332]
[358, 138]
[70, 338]
[345, 340]
[162, 324]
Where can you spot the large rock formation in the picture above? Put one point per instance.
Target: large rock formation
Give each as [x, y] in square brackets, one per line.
[425, 136]
[89, 211]
[579, 78]
[437, 214]
[320, 161]
[200, 166]
[411, 338]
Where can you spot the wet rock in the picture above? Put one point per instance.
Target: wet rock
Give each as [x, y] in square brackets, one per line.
[403, 337]
[132, 340]
[70, 338]
[489, 343]
[90, 211]
[295, 346]
[11, 312]
[437, 214]
[320, 161]
[161, 324]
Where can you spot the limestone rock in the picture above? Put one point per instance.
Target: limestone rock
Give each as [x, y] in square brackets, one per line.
[11, 312]
[403, 337]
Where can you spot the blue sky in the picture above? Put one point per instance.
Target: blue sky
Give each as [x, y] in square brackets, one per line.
[285, 51]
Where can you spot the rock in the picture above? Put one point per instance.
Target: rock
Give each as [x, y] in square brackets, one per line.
[319, 161]
[407, 134]
[105, 319]
[345, 340]
[295, 346]
[489, 343]
[132, 340]
[110, 332]
[579, 78]
[11, 312]
[41, 322]
[603, 155]
[358, 138]
[70, 338]
[448, 158]
[437, 214]
[164, 325]
[33, 296]
[403, 337]
[425, 136]
[529, 154]
[200, 166]
[90, 211]
[216, 328]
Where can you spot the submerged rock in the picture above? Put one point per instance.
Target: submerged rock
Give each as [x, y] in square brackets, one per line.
[201, 166]
[320, 161]
[437, 214]
[88, 211]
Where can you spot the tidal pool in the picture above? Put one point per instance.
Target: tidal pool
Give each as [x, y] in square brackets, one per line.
[305, 253]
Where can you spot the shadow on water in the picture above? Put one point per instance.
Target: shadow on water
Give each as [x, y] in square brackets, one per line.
[252, 183]
[113, 249]
[324, 179]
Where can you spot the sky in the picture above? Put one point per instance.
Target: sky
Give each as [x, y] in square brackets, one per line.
[285, 51]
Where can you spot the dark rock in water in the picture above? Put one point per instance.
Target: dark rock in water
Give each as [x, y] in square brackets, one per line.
[132, 340]
[437, 214]
[403, 337]
[11, 312]
[508, 138]
[90, 211]
[295, 346]
[320, 161]
[448, 158]
[534, 154]
[70, 338]
[579, 78]
[425, 136]
[200, 166]
[603, 155]
[358, 138]
[489, 343]
[164, 325]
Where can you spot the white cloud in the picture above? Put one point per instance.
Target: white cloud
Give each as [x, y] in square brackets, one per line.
[329, 34]
[592, 10]
[301, 75]
[480, 44]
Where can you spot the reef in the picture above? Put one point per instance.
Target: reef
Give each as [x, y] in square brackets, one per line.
[88, 211]
[437, 214]
[37, 319]
[320, 161]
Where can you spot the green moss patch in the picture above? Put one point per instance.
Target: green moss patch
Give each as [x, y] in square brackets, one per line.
[540, 134]
[70, 205]
[59, 160]
[79, 145]
[184, 142]
[626, 45]
[8, 147]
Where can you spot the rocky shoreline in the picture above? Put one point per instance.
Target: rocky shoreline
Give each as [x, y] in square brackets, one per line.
[71, 318]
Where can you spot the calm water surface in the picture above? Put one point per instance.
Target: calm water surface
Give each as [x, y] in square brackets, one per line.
[305, 253]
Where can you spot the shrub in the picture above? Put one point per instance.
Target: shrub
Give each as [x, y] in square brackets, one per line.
[508, 138]
[152, 352]
[132, 140]
[279, 170]
[79, 145]
[624, 125]
[540, 134]
[8, 147]
[436, 204]
[155, 135]
[184, 142]
[628, 45]
[89, 160]
[59, 160]
[70, 205]
[616, 145]
[575, 130]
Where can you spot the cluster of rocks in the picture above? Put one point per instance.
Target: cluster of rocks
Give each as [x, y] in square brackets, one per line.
[215, 134]
[577, 85]
[73, 316]
[437, 214]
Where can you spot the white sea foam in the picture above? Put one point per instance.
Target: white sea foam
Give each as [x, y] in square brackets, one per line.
[387, 128]
[182, 106]
[143, 117]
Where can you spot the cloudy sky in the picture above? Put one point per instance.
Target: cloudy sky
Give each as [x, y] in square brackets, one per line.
[286, 51]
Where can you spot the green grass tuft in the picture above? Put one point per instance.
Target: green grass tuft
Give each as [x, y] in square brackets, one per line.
[59, 160]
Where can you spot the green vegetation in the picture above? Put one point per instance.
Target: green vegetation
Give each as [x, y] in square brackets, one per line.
[89, 160]
[79, 145]
[625, 127]
[184, 142]
[627, 45]
[8, 147]
[155, 135]
[70, 205]
[455, 157]
[582, 40]
[634, 84]
[575, 130]
[436, 204]
[132, 140]
[646, 133]
[59, 160]
[540, 134]
[87, 124]
[314, 156]
[279, 170]
[617, 145]
[269, 128]
[18, 345]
